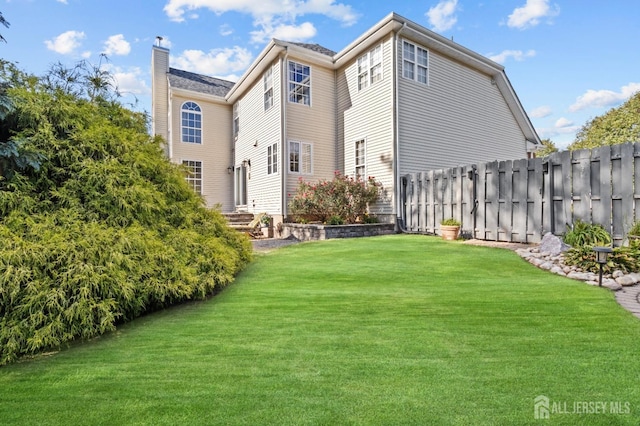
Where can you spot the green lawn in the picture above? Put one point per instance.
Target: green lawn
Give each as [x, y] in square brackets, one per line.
[386, 330]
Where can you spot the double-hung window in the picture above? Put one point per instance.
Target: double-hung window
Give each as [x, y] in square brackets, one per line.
[194, 174]
[415, 62]
[360, 160]
[300, 159]
[299, 83]
[191, 123]
[267, 80]
[272, 159]
[370, 68]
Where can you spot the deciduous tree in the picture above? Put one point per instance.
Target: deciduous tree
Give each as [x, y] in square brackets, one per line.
[618, 125]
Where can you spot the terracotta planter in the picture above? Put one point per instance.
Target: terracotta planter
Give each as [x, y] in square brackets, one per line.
[449, 232]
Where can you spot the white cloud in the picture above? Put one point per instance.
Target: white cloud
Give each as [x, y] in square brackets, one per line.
[518, 55]
[442, 16]
[541, 112]
[225, 30]
[531, 13]
[164, 41]
[116, 45]
[272, 18]
[563, 132]
[563, 123]
[130, 81]
[176, 9]
[604, 98]
[66, 43]
[219, 62]
[62, 1]
[301, 32]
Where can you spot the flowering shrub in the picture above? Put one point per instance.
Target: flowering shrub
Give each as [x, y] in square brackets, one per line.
[343, 198]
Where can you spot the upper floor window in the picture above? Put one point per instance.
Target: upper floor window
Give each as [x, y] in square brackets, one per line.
[194, 174]
[370, 67]
[415, 62]
[361, 164]
[236, 120]
[267, 80]
[299, 83]
[191, 123]
[300, 157]
[272, 159]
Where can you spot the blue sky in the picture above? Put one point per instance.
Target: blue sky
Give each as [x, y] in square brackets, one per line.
[568, 60]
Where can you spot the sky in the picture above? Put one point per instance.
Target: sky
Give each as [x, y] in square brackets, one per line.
[568, 60]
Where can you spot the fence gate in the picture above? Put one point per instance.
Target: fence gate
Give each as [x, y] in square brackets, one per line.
[521, 200]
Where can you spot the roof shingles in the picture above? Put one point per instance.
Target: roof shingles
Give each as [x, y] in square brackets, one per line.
[199, 83]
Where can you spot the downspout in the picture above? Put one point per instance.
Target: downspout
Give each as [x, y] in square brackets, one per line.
[283, 130]
[396, 137]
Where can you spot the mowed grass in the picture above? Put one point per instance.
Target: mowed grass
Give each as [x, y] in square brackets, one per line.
[387, 330]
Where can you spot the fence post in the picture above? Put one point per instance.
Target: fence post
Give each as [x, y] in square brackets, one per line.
[601, 187]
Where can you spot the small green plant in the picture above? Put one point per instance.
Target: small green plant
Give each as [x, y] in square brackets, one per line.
[584, 234]
[335, 220]
[369, 219]
[266, 220]
[635, 229]
[450, 222]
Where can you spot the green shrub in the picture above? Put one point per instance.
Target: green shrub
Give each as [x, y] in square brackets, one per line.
[104, 229]
[367, 218]
[450, 222]
[335, 220]
[344, 197]
[584, 234]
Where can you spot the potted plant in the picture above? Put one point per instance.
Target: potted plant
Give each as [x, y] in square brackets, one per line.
[449, 228]
[267, 226]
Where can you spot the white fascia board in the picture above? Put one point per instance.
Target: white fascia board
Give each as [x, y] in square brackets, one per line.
[191, 94]
[271, 51]
[510, 96]
[369, 38]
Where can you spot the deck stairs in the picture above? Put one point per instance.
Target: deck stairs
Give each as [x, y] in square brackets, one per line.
[245, 222]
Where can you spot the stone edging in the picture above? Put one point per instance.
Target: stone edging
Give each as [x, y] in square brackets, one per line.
[313, 232]
[555, 264]
[625, 286]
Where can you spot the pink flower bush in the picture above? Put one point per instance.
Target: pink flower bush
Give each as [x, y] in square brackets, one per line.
[343, 197]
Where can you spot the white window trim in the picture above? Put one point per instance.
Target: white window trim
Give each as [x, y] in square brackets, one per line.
[414, 62]
[182, 126]
[356, 166]
[272, 159]
[191, 180]
[267, 80]
[290, 82]
[300, 158]
[236, 120]
[365, 66]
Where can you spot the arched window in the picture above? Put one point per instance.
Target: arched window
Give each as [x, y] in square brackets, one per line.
[191, 123]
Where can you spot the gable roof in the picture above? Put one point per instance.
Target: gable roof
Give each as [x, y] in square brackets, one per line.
[199, 83]
[315, 47]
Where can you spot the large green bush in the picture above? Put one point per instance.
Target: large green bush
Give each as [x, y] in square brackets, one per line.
[96, 226]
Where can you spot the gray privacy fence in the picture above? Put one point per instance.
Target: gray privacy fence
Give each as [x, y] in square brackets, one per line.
[521, 200]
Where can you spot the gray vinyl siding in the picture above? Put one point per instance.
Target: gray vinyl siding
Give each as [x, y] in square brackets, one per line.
[260, 129]
[313, 124]
[368, 114]
[214, 152]
[459, 118]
